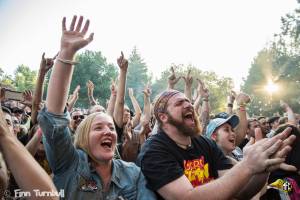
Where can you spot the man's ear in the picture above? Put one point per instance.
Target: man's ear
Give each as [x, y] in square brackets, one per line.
[163, 117]
[214, 136]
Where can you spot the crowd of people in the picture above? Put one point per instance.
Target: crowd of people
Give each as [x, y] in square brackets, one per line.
[173, 148]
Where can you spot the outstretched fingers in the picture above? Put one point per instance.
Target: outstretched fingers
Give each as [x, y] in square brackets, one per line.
[85, 27]
[64, 24]
[78, 27]
[274, 148]
[73, 23]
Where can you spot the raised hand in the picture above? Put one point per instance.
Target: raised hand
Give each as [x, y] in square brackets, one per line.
[76, 92]
[130, 92]
[202, 90]
[113, 89]
[131, 143]
[242, 99]
[147, 91]
[267, 154]
[188, 79]
[172, 79]
[27, 94]
[231, 97]
[46, 63]
[122, 62]
[90, 86]
[73, 39]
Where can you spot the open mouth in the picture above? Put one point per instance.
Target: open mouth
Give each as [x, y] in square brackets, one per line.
[232, 141]
[107, 144]
[189, 115]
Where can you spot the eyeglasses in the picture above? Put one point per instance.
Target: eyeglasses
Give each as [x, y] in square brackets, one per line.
[76, 117]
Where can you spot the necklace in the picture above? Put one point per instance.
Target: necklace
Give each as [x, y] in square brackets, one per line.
[185, 146]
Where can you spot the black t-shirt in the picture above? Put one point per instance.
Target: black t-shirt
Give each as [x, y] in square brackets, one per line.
[163, 161]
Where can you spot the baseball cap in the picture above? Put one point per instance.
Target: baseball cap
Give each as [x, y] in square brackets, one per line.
[223, 115]
[233, 120]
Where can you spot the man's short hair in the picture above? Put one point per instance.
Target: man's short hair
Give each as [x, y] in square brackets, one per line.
[250, 120]
[273, 119]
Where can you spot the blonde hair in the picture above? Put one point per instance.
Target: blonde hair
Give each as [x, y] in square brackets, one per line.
[83, 131]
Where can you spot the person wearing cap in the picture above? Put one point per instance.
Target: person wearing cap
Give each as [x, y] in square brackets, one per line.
[179, 163]
[87, 169]
[274, 123]
[221, 131]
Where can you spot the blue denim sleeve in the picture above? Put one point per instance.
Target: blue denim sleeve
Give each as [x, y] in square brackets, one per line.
[143, 193]
[60, 151]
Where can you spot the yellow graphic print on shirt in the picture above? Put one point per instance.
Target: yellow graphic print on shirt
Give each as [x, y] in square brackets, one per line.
[197, 171]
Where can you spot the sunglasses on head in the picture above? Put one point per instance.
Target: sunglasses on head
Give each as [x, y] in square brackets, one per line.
[78, 117]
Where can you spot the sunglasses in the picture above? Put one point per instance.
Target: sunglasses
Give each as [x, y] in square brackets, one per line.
[78, 117]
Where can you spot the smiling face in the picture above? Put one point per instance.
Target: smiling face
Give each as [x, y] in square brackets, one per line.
[181, 114]
[225, 138]
[102, 138]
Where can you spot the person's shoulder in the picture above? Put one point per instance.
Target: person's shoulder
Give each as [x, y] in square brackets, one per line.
[125, 165]
[158, 146]
[126, 169]
[203, 140]
[157, 141]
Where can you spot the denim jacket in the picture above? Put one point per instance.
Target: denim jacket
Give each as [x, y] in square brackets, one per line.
[73, 173]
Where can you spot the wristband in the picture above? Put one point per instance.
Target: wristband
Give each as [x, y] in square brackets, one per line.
[69, 62]
[230, 105]
[242, 104]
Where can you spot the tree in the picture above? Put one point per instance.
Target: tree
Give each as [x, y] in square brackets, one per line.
[137, 76]
[280, 63]
[24, 78]
[219, 87]
[93, 66]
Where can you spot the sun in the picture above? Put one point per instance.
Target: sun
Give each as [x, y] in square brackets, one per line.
[271, 87]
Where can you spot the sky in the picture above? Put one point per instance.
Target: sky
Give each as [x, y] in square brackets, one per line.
[214, 35]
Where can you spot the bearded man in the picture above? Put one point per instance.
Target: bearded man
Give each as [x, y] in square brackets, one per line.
[179, 163]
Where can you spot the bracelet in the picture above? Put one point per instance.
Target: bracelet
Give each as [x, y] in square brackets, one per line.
[70, 62]
[230, 105]
[242, 104]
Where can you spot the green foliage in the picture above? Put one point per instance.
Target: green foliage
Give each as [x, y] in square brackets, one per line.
[24, 78]
[219, 87]
[280, 63]
[93, 66]
[137, 76]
